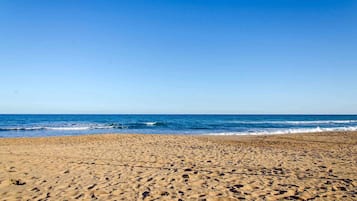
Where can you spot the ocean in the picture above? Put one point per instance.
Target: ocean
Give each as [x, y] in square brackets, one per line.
[62, 125]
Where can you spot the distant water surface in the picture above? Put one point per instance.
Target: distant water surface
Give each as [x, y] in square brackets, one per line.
[60, 125]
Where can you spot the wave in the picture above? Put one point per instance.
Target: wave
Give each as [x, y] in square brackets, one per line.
[84, 127]
[150, 123]
[289, 131]
[43, 128]
[144, 124]
[297, 122]
[22, 129]
[323, 122]
[67, 128]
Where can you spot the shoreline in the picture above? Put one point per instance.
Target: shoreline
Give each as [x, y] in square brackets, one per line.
[191, 135]
[320, 166]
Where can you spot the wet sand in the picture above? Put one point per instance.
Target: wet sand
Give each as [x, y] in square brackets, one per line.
[320, 166]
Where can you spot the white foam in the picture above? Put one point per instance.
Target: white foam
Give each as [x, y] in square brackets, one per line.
[33, 128]
[102, 127]
[61, 128]
[290, 131]
[150, 123]
[22, 128]
[68, 128]
[323, 122]
[298, 122]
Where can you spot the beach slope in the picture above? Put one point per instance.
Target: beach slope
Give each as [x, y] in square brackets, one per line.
[321, 166]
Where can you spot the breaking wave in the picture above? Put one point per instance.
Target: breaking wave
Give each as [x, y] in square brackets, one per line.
[297, 122]
[290, 131]
[84, 127]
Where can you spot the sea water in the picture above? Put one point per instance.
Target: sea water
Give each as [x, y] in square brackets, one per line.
[61, 125]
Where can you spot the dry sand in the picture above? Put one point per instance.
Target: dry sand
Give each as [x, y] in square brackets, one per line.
[321, 166]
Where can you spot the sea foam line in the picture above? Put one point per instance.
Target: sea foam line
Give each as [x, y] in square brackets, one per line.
[297, 122]
[290, 131]
[45, 128]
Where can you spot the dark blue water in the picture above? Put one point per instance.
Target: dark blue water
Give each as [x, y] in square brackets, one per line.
[58, 125]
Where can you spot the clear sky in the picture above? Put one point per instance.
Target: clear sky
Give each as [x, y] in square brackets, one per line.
[286, 56]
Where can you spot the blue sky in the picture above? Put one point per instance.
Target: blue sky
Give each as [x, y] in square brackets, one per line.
[286, 56]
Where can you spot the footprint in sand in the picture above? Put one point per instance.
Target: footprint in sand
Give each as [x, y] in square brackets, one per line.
[18, 182]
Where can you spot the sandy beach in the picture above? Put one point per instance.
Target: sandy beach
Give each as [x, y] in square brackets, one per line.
[316, 166]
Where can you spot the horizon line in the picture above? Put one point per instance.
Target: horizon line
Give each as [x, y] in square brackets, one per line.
[177, 114]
